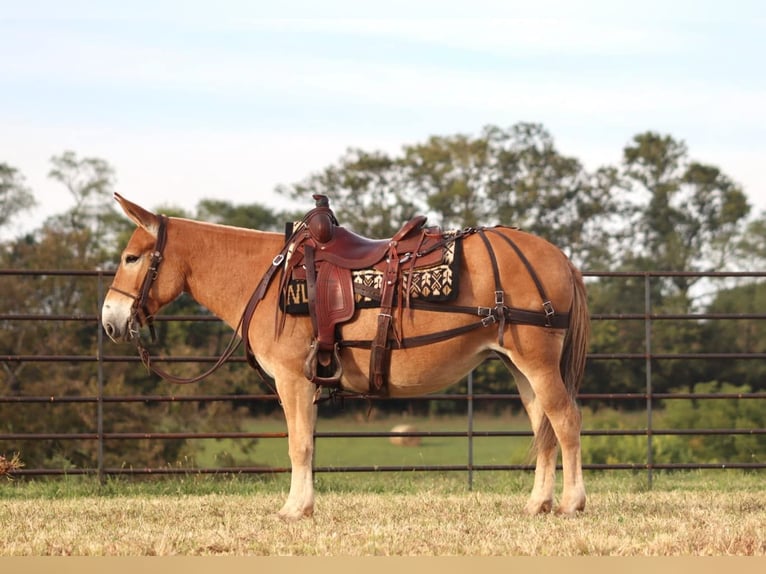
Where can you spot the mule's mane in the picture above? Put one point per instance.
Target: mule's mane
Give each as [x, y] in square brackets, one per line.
[222, 228]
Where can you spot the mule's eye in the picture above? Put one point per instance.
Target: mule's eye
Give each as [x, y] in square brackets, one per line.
[131, 259]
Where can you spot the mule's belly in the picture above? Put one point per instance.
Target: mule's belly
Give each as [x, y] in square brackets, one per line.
[420, 370]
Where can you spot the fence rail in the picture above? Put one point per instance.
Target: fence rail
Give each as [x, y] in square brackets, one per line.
[647, 356]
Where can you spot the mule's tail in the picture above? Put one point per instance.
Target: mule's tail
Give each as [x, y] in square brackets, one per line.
[572, 364]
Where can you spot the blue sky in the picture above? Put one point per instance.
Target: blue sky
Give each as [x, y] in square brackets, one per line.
[227, 99]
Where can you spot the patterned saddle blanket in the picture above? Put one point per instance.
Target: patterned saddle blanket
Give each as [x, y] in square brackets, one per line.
[436, 282]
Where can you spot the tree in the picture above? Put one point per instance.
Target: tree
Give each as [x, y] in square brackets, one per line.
[15, 196]
[252, 216]
[367, 191]
[553, 196]
[685, 215]
[512, 177]
[738, 335]
[677, 214]
[84, 238]
[452, 175]
[92, 224]
[750, 248]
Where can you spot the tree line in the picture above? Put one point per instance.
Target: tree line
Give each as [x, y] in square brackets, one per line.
[658, 209]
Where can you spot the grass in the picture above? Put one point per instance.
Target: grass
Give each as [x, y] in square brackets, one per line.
[687, 514]
[717, 512]
[354, 451]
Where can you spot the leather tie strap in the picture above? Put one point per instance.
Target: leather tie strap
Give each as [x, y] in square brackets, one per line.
[499, 310]
[379, 357]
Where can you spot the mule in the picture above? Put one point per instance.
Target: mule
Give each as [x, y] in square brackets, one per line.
[219, 266]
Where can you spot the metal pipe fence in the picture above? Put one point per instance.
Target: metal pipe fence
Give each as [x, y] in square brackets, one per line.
[648, 357]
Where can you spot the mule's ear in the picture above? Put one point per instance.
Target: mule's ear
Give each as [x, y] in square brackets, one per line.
[140, 216]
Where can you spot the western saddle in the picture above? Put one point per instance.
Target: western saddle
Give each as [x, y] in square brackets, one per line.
[324, 254]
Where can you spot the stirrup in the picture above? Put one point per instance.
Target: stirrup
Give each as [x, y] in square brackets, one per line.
[311, 367]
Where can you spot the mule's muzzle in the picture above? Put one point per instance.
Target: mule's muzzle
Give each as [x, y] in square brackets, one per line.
[118, 327]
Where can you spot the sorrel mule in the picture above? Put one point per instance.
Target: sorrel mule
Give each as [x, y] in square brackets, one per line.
[219, 266]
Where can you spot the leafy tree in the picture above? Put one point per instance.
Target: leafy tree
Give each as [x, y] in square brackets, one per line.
[451, 173]
[738, 335]
[514, 177]
[367, 191]
[736, 413]
[92, 224]
[15, 196]
[532, 185]
[252, 216]
[676, 214]
[85, 237]
[685, 215]
[750, 248]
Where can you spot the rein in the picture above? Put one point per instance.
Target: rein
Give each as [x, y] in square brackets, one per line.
[140, 315]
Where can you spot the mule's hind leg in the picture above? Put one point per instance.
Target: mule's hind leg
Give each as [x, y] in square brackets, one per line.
[541, 498]
[297, 397]
[563, 416]
[543, 391]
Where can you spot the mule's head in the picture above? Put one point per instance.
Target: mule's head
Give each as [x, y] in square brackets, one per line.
[146, 279]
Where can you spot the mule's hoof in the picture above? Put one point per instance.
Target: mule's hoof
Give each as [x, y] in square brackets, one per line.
[571, 509]
[535, 507]
[295, 514]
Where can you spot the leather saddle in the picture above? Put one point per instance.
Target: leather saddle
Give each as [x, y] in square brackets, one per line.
[325, 254]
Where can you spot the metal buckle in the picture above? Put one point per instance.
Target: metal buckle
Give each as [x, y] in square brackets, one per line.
[499, 298]
[484, 311]
[277, 261]
[548, 308]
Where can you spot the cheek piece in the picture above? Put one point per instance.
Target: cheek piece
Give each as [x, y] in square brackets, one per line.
[139, 311]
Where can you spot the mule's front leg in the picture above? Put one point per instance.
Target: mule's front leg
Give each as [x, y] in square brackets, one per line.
[297, 398]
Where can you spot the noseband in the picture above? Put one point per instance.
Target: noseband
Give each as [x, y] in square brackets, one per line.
[139, 311]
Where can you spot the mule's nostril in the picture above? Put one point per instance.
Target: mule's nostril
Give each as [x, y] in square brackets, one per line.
[109, 328]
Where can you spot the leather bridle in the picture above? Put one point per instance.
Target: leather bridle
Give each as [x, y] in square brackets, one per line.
[139, 310]
[140, 314]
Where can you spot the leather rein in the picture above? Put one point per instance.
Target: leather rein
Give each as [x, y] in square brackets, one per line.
[139, 315]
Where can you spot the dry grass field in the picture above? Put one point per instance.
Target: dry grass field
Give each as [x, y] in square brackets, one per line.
[427, 522]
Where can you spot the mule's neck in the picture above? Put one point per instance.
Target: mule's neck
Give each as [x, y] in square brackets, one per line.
[222, 265]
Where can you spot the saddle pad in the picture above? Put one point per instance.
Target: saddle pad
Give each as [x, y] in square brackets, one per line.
[436, 283]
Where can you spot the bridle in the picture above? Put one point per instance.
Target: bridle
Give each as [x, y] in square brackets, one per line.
[139, 315]
[139, 310]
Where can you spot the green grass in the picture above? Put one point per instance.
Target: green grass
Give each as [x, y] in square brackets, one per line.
[687, 514]
[432, 450]
[446, 483]
[355, 451]
[378, 451]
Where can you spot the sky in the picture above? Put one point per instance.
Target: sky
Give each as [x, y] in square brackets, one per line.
[229, 99]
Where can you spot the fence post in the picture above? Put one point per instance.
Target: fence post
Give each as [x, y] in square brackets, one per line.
[470, 430]
[100, 398]
[648, 363]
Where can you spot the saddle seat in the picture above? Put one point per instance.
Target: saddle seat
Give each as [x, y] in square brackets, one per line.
[351, 251]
